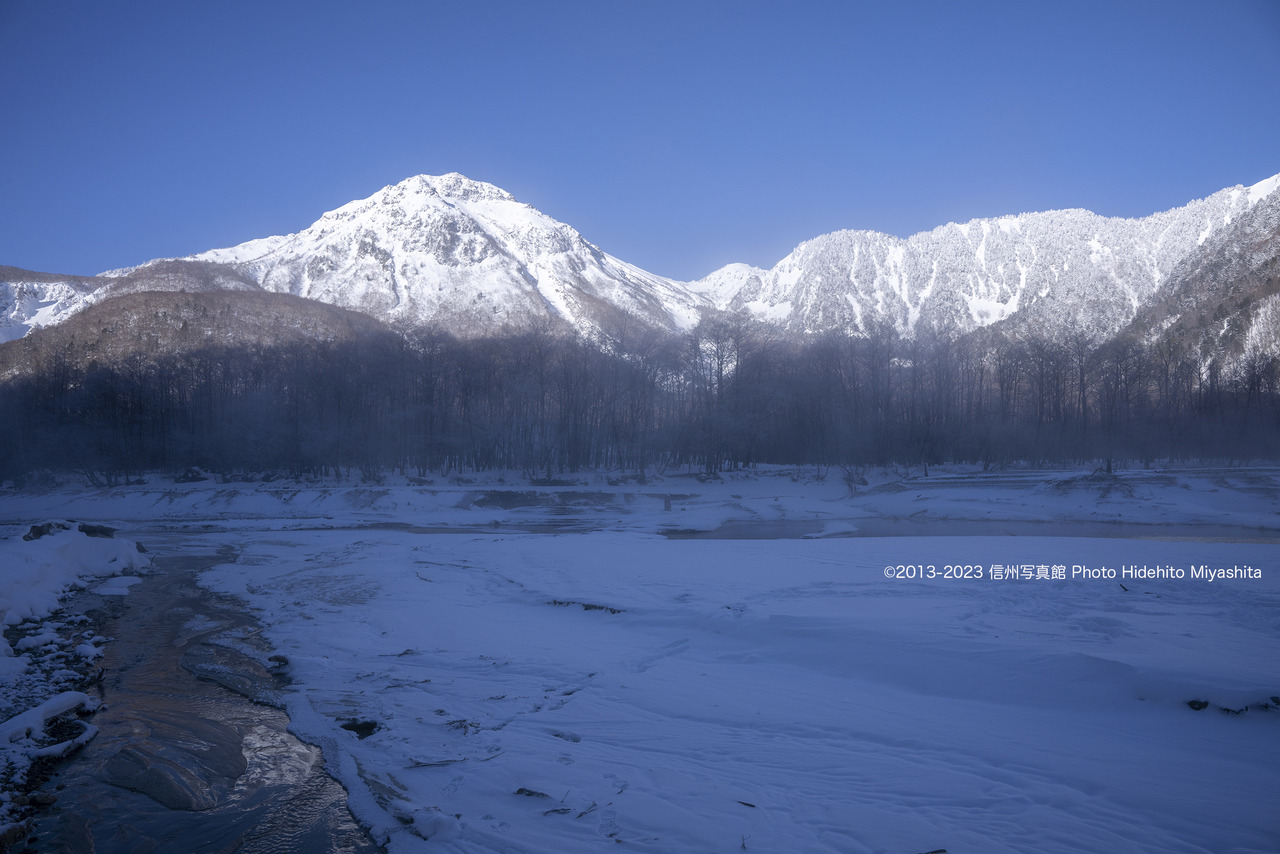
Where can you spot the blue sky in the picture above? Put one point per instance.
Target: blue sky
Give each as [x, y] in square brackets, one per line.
[678, 136]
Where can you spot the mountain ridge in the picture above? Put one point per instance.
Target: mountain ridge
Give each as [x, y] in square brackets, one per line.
[961, 276]
[468, 257]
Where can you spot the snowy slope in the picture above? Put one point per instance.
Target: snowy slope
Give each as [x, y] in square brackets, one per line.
[1224, 299]
[466, 256]
[1041, 269]
[460, 254]
[30, 300]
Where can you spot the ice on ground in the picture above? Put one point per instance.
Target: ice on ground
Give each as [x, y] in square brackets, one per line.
[116, 586]
[554, 691]
[495, 666]
[1240, 497]
[833, 529]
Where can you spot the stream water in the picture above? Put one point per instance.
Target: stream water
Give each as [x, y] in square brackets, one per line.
[192, 756]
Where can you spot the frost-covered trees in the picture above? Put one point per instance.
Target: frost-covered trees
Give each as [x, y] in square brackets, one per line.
[729, 393]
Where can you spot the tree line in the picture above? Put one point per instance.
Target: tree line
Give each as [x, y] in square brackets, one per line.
[728, 394]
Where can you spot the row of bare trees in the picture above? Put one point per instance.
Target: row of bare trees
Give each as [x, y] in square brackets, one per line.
[730, 393]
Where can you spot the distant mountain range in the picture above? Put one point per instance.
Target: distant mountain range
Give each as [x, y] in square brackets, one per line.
[466, 257]
[1037, 271]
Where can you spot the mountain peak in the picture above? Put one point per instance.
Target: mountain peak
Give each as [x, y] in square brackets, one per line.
[459, 253]
[421, 193]
[454, 185]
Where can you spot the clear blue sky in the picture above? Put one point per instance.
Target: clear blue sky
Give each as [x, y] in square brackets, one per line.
[678, 136]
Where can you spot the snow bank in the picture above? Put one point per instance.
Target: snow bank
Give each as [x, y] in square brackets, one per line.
[24, 739]
[22, 733]
[36, 574]
[1239, 497]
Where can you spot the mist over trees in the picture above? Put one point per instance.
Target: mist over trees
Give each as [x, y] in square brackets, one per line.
[730, 393]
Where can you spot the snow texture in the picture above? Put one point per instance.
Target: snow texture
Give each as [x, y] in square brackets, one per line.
[1040, 267]
[459, 253]
[28, 305]
[687, 666]
[35, 577]
[37, 573]
[466, 256]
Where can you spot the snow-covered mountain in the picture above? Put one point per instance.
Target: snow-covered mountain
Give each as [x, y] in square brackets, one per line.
[466, 256]
[445, 251]
[1037, 270]
[459, 254]
[1224, 298]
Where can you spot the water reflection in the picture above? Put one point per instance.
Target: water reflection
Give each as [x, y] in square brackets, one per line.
[190, 756]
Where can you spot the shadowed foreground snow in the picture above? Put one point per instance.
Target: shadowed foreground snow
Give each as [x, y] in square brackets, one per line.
[556, 692]
[608, 688]
[39, 673]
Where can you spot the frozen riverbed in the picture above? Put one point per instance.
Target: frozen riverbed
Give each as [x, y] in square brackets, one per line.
[493, 689]
[536, 693]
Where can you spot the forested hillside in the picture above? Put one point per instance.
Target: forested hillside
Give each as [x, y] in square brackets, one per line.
[262, 383]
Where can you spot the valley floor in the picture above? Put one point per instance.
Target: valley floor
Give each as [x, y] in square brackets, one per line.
[786, 661]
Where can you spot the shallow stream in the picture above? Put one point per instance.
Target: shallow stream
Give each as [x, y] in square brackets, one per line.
[192, 756]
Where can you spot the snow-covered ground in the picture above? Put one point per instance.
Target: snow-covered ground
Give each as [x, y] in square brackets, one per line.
[687, 666]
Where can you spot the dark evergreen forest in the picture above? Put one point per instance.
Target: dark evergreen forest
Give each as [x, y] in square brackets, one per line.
[729, 394]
